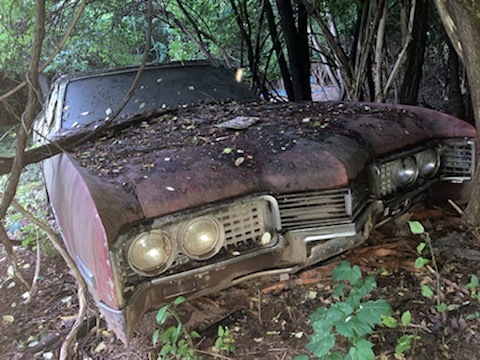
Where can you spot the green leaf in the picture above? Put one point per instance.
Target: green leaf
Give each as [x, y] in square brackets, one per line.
[353, 328]
[427, 292]
[441, 308]
[406, 318]
[166, 349]
[361, 288]
[473, 316]
[403, 344]
[345, 272]
[162, 314]
[179, 300]
[218, 343]
[155, 336]
[420, 262]
[195, 335]
[473, 284]
[390, 322]
[321, 347]
[336, 355]
[301, 357]
[220, 331]
[176, 333]
[371, 312]
[421, 247]
[227, 151]
[416, 227]
[362, 350]
[339, 291]
[325, 318]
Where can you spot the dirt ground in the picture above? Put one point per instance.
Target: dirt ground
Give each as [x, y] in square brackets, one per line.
[268, 317]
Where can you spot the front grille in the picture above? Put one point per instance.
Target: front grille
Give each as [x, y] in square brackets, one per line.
[387, 185]
[244, 223]
[457, 159]
[322, 208]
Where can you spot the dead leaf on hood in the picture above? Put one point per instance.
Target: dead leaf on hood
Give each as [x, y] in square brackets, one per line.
[239, 123]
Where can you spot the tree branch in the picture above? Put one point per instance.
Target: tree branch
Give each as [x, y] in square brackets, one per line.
[55, 53]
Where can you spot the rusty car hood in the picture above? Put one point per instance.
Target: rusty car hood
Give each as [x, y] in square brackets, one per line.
[184, 158]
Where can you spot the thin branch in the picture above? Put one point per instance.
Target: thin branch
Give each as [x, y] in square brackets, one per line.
[136, 81]
[55, 53]
[401, 57]
[28, 117]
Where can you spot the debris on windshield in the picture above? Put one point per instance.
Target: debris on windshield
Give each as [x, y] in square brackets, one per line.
[239, 123]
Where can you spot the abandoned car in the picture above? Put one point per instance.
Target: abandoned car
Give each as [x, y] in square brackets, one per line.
[186, 200]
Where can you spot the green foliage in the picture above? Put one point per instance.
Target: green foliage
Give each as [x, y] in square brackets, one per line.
[473, 287]
[225, 342]
[176, 341]
[349, 319]
[416, 227]
[30, 195]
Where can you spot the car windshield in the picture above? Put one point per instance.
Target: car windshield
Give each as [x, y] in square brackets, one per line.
[94, 97]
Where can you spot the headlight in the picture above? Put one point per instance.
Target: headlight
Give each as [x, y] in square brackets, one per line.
[202, 238]
[428, 163]
[151, 253]
[405, 172]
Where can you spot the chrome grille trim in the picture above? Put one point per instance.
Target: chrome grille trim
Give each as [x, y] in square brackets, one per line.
[457, 159]
[322, 208]
[387, 185]
[243, 223]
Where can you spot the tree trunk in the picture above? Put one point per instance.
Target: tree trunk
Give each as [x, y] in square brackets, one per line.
[282, 63]
[455, 98]
[462, 21]
[294, 40]
[415, 56]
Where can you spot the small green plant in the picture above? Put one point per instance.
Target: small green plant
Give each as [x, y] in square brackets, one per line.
[176, 341]
[225, 342]
[406, 341]
[348, 319]
[417, 229]
[473, 287]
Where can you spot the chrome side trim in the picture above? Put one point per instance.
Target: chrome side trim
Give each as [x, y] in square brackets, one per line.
[86, 272]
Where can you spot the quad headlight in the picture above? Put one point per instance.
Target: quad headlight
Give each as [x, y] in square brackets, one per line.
[151, 253]
[405, 172]
[202, 238]
[428, 163]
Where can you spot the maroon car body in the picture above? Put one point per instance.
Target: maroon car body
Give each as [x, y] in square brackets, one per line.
[298, 184]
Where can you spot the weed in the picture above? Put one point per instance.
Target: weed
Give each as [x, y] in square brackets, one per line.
[406, 341]
[176, 341]
[348, 318]
[225, 341]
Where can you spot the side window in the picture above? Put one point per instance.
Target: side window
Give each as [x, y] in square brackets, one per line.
[45, 122]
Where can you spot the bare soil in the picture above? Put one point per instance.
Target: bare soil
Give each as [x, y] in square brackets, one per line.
[269, 317]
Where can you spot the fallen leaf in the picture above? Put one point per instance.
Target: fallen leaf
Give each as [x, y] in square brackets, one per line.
[8, 318]
[239, 161]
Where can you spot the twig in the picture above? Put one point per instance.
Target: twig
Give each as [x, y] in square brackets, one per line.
[55, 53]
[259, 306]
[33, 289]
[214, 355]
[456, 207]
[135, 82]
[451, 283]
[57, 244]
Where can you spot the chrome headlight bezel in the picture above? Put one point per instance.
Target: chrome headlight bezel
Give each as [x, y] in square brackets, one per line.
[428, 163]
[196, 243]
[151, 243]
[405, 172]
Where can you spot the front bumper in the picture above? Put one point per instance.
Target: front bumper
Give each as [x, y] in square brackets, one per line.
[295, 250]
